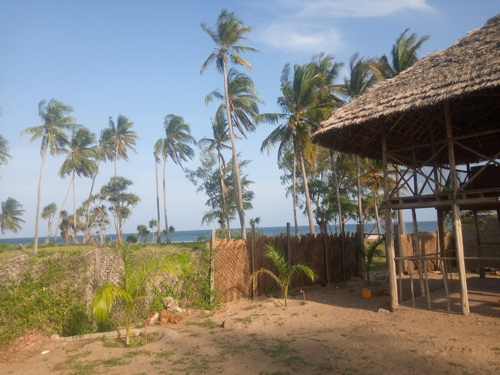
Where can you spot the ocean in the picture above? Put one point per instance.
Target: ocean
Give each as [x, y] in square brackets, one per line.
[193, 235]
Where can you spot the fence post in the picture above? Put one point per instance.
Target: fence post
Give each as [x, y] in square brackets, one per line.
[327, 266]
[212, 267]
[288, 249]
[360, 232]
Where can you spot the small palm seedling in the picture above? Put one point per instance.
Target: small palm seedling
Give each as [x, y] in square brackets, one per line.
[138, 273]
[371, 251]
[284, 272]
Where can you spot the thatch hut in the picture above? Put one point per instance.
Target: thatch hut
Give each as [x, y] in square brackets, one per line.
[440, 120]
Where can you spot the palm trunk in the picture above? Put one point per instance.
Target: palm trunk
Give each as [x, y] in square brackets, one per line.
[295, 196]
[75, 229]
[236, 170]
[158, 238]
[377, 217]
[337, 188]
[39, 201]
[306, 192]
[86, 234]
[62, 209]
[360, 205]
[225, 216]
[165, 200]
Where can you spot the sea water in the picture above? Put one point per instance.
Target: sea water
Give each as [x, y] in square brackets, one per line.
[193, 235]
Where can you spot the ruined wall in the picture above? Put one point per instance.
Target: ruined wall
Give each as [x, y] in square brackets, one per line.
[489, 236]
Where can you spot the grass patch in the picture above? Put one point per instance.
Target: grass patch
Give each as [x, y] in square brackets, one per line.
[115, 361]
[207, 323]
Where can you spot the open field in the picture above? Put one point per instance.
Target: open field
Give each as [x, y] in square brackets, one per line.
[335, 332]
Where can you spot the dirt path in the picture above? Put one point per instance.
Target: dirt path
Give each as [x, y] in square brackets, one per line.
[335, 332]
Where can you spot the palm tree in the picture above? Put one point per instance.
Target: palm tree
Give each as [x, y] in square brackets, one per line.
[142, 231]
[54, 139]
[153, 223]
[48, 214]
[227, 32]
[158, 222]
[9, 218]
[285, 272]
[360, 79]
[218, 142]
[174, 145]
[403, 56]
[80, 161]
[119, 138]
[4, 151]
[302, 107]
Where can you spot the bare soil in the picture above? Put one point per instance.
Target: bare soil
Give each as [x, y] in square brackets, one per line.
[335, 332]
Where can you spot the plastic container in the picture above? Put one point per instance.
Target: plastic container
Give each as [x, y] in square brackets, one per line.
[366, 293]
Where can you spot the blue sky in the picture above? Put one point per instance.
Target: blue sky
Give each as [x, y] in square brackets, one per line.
[142, 59]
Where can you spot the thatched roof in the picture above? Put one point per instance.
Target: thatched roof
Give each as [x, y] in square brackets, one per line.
[409, 108]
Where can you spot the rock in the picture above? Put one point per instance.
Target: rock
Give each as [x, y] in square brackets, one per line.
[166, 317]
[55, 336]
[152, 319]
[171, 304]
[382, 310]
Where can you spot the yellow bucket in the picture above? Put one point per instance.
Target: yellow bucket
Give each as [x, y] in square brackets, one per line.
[366, 293]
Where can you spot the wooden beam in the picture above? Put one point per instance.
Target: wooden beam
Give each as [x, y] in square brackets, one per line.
[389, 240]
[455, 209]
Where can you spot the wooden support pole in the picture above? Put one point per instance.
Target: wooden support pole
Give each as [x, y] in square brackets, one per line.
[455, 209]
[442, 253]
[389, 239]
[212, 267]
[482, 274]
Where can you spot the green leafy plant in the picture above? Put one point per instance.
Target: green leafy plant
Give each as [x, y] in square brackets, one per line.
[138, 272]
[284, 271]
[371, 251]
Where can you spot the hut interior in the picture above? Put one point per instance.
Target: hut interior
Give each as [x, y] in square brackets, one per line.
[436, 126]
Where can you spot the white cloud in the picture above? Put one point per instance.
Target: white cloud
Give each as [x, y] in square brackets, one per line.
[352, 8]
[305, 26]
[295, 37]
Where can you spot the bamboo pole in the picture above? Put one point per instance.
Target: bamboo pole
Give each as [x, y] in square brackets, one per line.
[457, 225]
[479, 248]
[389, 240]
[212, 267]
[444, 263]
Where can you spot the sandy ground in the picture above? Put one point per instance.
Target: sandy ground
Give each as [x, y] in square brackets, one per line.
[334, 332]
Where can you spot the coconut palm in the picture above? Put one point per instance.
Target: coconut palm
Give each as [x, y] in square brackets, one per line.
[403, 56]
[9, 218]
[284, 270]
[229, 31]
[4, 151]
[79, 161]
[52, 132]
[119, 138]
[139, 273]
[158, 222]
[221, 136]
[48, 213]
[175, 145]
[300, 108]
[142, 231]
[153, 223]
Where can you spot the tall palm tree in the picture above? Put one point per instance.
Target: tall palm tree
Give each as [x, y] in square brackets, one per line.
[79, 161]
[4, 151]
[229, 31]
[119, 138]
[360, 79]
[48, 214]
[220, 133]
[52, 132]
[158, 222]
[9, 217]
[301, 108]
[403, 56]
[153, 223]
[175, 145]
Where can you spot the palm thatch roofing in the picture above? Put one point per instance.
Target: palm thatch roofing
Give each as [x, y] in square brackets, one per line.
[410, 108]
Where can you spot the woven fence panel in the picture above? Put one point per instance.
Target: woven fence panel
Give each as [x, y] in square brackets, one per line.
[428, 242]
[232, 269]
[234, 262]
